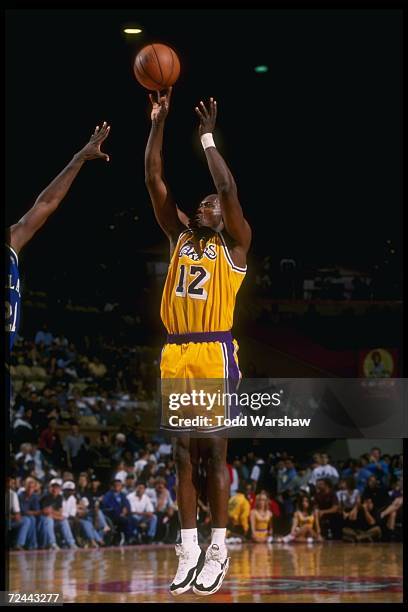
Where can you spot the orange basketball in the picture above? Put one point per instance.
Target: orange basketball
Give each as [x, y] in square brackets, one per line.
[156, 67]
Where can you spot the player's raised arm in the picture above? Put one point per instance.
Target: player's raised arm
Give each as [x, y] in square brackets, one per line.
[49, 199]
[163, 203]
[233, 217]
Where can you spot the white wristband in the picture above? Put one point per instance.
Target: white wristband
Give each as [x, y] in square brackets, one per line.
[207, 140]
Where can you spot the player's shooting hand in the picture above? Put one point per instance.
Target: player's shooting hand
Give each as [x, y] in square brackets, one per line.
[160, 107]
[207, 117]
[92, 150]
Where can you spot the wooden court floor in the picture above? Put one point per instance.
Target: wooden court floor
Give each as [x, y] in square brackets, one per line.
[331, 572]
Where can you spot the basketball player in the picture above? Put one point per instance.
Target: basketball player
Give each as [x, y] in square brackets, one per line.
[207, 267]
[19, 234]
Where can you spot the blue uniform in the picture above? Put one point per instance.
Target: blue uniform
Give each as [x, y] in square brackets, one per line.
[13, 297]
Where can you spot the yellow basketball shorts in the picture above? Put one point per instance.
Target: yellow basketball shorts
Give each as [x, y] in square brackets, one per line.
[205, 363]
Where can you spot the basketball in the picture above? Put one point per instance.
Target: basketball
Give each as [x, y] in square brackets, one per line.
[156, 67]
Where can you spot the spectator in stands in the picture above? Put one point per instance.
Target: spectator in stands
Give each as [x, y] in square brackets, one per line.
[120, 472]
[19, 523]
[379, 466]
[300, 481]
[377, 492]
[73, 443]
[23, 430]
[30, 507]
[258, 475]
[249, 493]
[151, 490]
[142, 511]
[239, 510]
[305, 524]
[396, 466]
[163, 505]
[348, 495]
[287, 474]
[119, 446]
[116, 505]
[362, 525]
[52, 519]
[69, 502]
[129, 484]
[44, 336]
[165, 450]
[324, 471]
[362, 473]
[50, 444]
[390, 513]
[97, 368]
[328, 509]
[261, 520]
[234, 478]
[102, 450]
[141, 462]
[278, 475]
[170, 477]
[82, 489]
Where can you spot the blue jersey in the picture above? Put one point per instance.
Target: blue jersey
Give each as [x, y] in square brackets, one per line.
[13, 297]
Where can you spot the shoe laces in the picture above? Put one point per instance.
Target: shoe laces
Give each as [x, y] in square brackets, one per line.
[213, 559]
[184, 558]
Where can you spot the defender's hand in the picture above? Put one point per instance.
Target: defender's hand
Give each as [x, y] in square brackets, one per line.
[92, 150]
[207, 117]
[160, 107]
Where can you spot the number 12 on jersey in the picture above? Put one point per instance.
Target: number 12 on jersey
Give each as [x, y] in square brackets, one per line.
[192, 287]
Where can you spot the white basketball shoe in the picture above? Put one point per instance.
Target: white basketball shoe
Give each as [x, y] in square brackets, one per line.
[191, 561]
[215, 567]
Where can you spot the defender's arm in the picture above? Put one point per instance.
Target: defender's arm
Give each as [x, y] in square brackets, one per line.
[49, 199]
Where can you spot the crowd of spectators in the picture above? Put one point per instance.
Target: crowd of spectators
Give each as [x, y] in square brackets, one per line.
[128, 496]
[287, 279]
[279, 499]
[53, 378]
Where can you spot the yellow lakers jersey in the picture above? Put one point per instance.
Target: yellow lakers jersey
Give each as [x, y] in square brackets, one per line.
[199, 293]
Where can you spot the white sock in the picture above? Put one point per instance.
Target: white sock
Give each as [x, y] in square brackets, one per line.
[218, 536]
[189, 537]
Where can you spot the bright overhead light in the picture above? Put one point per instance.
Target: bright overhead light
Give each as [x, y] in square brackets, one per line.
[261, 68]
[132, 31]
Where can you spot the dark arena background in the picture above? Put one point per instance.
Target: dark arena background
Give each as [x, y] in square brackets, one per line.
[310, 123]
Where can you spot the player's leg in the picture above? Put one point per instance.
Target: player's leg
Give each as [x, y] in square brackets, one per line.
[214, 453]
[191, 558]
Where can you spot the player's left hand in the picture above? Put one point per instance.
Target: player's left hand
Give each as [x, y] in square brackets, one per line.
[92, 150]
[207, 117]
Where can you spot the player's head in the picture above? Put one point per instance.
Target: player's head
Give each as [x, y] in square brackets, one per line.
[208, 214]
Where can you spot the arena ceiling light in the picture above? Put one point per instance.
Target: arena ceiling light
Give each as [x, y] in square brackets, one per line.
[132, 30]
[260, 69]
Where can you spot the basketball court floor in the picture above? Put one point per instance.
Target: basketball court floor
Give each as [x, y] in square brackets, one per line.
[331, 572]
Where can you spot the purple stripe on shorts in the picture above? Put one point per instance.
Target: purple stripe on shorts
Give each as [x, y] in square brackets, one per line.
[233, 370]
[222, 336]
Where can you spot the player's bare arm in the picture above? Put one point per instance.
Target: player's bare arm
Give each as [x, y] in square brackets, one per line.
[163, 202]
[235, 223]
[52, 196]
